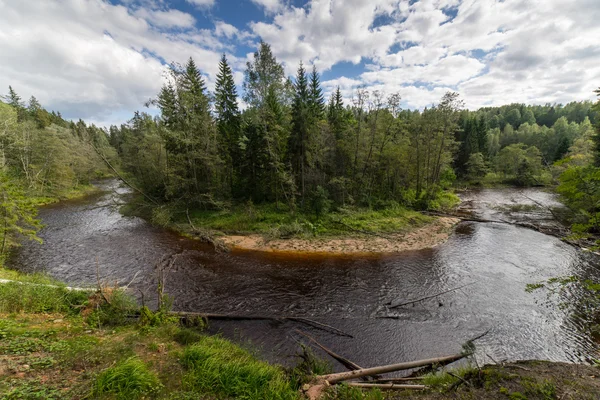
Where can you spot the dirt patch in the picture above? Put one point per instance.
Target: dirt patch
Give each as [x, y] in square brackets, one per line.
[424, 237]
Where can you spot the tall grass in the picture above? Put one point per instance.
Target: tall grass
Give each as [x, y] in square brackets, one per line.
[37, 298]
[130, 379]
[217, 366]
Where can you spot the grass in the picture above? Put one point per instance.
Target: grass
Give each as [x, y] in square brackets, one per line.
[129, 379]
[54, 196]
[215, 365]
[280, 222]
[64, 352]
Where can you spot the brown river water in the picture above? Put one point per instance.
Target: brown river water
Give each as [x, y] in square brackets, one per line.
[496, 260]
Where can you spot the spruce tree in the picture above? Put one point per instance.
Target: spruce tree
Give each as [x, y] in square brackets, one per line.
[316, 100]
[300, 127]
[228, 119]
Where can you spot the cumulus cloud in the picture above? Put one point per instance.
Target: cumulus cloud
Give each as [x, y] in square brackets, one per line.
[97, 60]
[491, 51]
[166, 18]
[270, 6]
[93, 60]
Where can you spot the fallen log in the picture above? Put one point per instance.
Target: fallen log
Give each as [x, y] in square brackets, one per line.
[344, 376]
[205, 237]
[319, 325]
[238, 317]
[386, 386]
[431, 296]
[392, 380]
[352, 366]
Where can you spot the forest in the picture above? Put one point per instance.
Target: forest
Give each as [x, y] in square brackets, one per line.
[43, 159]
[296, 152]
[294, 149]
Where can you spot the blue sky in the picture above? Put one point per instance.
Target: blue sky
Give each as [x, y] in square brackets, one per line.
[101, 60]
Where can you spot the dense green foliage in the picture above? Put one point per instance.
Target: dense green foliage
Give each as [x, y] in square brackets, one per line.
[287, 147]
[42, 157]
[292, 148]
[580, 180]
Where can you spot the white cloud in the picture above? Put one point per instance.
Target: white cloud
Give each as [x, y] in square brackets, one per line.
[202, 3]
[225, 29]
[491, 51]
[270, 6]
[93, 60]
[166, 18]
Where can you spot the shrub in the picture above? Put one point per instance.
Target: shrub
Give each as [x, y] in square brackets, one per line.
[129, 379]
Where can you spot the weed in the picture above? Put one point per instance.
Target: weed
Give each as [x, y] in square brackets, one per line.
[130, 379]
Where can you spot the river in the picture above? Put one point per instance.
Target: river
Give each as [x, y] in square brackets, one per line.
[496, 261]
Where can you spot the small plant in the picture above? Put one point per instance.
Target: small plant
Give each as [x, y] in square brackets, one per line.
[129, 379]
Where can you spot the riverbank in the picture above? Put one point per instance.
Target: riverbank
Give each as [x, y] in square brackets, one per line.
[345, 231]
[77, 192]
[430, 235]
[61, 344]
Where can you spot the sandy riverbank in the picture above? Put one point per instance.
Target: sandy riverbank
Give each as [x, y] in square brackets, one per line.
[427, 236]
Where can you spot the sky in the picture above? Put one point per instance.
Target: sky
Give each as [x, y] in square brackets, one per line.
[101, 60]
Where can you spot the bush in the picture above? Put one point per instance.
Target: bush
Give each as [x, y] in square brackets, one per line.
[115, 312]
[130, 379]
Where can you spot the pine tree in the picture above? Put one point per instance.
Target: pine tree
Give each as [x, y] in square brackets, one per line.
[316, 100]
[167, 103]
[13, 98]
[193, 89]
[228, 119]
[300, 128]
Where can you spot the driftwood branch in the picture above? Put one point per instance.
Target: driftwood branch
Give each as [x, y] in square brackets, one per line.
[431, 296]
[352, 366]
[345, 376]
[319, 325]
[205, 237]
[237, 317]
[386, 386]
[405, 379]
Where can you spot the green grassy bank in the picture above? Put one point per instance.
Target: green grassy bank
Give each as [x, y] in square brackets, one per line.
[62, 344]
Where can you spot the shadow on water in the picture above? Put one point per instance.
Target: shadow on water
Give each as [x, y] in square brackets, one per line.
[348, 293]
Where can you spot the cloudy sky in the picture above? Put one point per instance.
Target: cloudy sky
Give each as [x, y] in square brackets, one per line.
[100, 60]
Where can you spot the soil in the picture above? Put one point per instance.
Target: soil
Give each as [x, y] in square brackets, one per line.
[424, 237]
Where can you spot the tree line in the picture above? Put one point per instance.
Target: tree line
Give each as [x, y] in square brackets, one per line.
[42, 157]
[293, 147]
